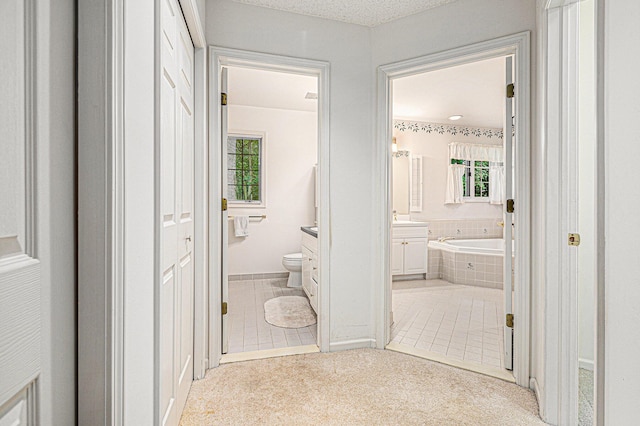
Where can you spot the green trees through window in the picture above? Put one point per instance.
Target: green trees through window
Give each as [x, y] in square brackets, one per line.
[244, 164]
[475, 178]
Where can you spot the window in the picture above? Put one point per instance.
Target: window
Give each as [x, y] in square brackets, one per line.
[475, 180]
[245, 169]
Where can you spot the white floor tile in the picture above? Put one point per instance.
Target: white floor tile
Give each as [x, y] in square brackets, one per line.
[461, 322]
[248, 329]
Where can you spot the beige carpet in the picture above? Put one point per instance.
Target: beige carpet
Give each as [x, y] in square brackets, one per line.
[358, 387]
[289, 312]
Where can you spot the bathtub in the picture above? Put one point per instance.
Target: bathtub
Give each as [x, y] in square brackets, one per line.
[477, 262]
[488, 246]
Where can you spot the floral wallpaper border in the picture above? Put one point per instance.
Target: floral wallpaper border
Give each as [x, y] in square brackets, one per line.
[416, 126]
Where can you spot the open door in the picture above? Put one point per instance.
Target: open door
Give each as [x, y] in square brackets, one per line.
[508, 215]
[224, 232]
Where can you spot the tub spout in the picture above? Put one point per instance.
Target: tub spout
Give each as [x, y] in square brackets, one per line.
[443, 239]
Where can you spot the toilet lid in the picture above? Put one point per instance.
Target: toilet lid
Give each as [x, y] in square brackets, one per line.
[293, 256]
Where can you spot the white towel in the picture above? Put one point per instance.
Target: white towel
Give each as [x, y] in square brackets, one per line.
[241, 225]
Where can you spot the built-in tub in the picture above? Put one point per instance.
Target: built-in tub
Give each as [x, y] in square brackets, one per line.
[477, 262]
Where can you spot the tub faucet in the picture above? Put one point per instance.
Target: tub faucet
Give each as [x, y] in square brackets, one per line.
[443, 239]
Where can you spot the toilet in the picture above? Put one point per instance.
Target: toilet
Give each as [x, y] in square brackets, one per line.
[293, 263]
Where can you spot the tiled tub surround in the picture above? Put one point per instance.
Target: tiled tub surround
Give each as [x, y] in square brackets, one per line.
[473, 269]
[459, 229]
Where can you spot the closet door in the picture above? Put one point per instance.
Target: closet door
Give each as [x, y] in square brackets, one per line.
[176, 216]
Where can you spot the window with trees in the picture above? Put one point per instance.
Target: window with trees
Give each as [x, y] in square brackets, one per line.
[245, 169]
[475, 180]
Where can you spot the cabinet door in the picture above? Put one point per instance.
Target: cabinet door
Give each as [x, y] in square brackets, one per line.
[306, 270]
[397, 256]
[415, 256]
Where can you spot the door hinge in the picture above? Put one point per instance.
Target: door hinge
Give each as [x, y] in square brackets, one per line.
[511, 90]
[510, 320]
[510, 205]
[574, 239]
[224, 204]
[223, 98]
[224, 308]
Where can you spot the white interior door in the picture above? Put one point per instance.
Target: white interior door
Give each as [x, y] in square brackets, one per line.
[176, 203]
[224, 232]
[20, 282]
[508, 217]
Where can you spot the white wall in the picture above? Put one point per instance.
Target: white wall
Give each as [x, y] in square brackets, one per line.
[622, 203]
[587, 186]
[347, 47]
[434, 149]
[290, 150]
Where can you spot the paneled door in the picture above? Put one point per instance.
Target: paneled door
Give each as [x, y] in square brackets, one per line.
[176, 216]
[20, 281]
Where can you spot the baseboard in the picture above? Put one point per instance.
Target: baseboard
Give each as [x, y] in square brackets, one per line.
[351, 344]
[533, 385]
[586, 364]
[264, 276]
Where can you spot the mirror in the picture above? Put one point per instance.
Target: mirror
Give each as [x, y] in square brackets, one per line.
[401, 183]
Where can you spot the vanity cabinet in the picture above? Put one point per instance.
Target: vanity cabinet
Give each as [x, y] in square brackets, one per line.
[310, 269]
[409, 249]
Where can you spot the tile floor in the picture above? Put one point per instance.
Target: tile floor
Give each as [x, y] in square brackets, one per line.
[248, 329]
[460, 321]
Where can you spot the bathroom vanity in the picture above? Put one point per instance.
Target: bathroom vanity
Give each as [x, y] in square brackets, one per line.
[409, 247]
[310, 264]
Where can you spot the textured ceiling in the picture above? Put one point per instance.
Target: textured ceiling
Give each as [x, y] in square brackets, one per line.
[362, 12]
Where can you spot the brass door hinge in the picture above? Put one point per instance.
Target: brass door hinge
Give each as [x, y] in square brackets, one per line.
[224, 308]
[510, 206]
[224, 204]
[511, 90]
[510, 320]
[574, 239]
[223, 99]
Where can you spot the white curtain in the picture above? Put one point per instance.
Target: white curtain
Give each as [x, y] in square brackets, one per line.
[454, 192]
[476, 152]
[496, 183]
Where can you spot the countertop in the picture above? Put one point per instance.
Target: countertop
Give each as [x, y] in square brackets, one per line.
[311, 230]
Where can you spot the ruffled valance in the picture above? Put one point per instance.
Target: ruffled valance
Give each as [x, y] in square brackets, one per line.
[476, 152]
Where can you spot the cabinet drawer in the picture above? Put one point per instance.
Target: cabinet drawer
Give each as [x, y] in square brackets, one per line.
[410, 232]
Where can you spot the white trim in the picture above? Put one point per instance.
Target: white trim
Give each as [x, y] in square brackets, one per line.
[533, 384]
[219, 56]
[201, 213]
[194, 23]
[101, 212]
[268, 353]
[559, 402]
[352, 344]
[586, 364]
[519, 46]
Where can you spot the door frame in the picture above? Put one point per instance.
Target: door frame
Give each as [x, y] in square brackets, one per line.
[517, 45]
[118, 70]
[219, 56]
[559, 100]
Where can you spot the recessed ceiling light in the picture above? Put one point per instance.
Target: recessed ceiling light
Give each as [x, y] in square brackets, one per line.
[455, 117]
[311, 95]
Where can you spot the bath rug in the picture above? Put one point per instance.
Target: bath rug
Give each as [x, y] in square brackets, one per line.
[289, 312]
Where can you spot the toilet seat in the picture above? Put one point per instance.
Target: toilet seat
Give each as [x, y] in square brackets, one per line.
[293, 256]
